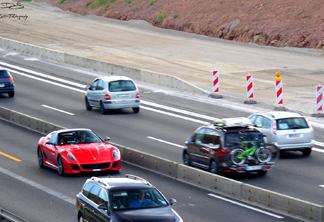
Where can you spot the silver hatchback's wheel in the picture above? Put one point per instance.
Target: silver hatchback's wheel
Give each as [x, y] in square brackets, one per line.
[87, 105]
[60, 166]
[102, 108]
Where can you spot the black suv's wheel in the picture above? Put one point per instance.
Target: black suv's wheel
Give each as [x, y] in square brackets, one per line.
[307, 152]
[102, 108]
[11, 94]
[60, 166]
[136, 109]
[186, 159]
[214, 167]
[40, 158]
[87, 105]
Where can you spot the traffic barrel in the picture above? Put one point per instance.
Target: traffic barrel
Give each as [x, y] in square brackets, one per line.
[249, 90]
[319, 99]
[215, 85]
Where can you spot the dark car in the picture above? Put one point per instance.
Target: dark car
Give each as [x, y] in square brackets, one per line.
[230, 145]
[127, 199]
[7, 84]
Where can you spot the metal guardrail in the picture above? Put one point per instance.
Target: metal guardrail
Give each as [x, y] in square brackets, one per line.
[6, 216]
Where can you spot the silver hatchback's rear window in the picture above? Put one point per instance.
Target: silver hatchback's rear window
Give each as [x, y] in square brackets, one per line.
[292, 123]
[121, 86]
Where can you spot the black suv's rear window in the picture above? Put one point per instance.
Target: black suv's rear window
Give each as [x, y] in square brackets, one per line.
[121, 86]
[234, 139]
[292, 123]
[4, 74]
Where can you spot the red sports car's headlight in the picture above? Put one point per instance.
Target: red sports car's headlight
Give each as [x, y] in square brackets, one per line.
[71, 156]
[115, 154]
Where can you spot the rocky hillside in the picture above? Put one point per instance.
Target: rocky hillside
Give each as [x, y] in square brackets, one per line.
[294, 23]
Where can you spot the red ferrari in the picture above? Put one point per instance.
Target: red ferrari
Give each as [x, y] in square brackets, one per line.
[72, 151]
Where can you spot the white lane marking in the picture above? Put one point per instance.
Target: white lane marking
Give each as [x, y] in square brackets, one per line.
[31, 59]
[189, 113]
[166, 142]
[175, 115]
[318, 150]
[142, 101]
[318, 143]
[11, 54]
[321, 186]
[246, 206]
[38, 186]
[47, 81]
[43, 75]
[59, 110]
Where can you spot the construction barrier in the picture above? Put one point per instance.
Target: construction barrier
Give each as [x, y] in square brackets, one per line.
[319, 99]
[283, 204]
[249, 90]
[215, 85]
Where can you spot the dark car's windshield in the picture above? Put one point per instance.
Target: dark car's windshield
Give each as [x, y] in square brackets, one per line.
[77, 137]
[292, 123]
[236, 139]
[121, 86]
[4, 74]
[129, 199]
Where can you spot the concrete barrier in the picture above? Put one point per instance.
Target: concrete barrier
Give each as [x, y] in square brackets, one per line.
[277, 202]
[282, 203]
[212, 182]
[6, 216]
[155, 78]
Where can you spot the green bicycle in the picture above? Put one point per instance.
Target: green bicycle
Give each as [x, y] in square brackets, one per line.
[249, 151]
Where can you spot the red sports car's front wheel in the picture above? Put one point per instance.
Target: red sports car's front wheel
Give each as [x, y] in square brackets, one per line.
[60, 166]
[40, 158]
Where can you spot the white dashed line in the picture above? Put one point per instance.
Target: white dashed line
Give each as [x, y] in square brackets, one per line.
[246, 206]
[166, 142]
[59, 110]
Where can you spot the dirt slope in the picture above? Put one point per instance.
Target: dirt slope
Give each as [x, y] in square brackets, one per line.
[296, 23]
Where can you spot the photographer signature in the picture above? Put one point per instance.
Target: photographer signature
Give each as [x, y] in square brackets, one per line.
[14, 16]
[10, 5]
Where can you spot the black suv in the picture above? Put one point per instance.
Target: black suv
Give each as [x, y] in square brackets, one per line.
[123, 200]
[232, 144]
[7, 84]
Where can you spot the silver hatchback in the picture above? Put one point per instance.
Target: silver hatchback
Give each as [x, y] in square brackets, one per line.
[285, 130]
[112, 92]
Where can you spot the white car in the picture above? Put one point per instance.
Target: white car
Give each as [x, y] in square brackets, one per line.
[285, 130]
[112, 92]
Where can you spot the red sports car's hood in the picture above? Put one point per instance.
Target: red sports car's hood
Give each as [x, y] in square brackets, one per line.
[90, 153]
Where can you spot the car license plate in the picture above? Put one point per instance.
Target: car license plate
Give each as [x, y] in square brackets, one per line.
[2, 85]
[96, 170]
[251, 168]
[292, 136]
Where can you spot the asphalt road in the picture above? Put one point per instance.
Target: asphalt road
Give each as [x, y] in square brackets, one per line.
[41, 195]
[157, 130]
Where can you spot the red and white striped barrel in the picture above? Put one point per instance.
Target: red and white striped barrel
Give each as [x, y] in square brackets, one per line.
[319, 99]
[215, 81]
[249, 87]
[279, 89]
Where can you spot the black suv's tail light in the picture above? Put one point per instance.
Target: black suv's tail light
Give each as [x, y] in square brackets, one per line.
[11, 79]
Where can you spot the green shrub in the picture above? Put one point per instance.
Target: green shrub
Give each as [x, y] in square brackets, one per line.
[128, 2]
[100, 3]
[61, 1]
[161, 15]
[152, 2]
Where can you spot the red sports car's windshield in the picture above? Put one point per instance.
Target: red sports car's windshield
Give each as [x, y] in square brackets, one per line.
[77, 137]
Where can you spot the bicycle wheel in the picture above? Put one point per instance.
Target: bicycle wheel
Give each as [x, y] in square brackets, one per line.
[235, 156]
[263, 155]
